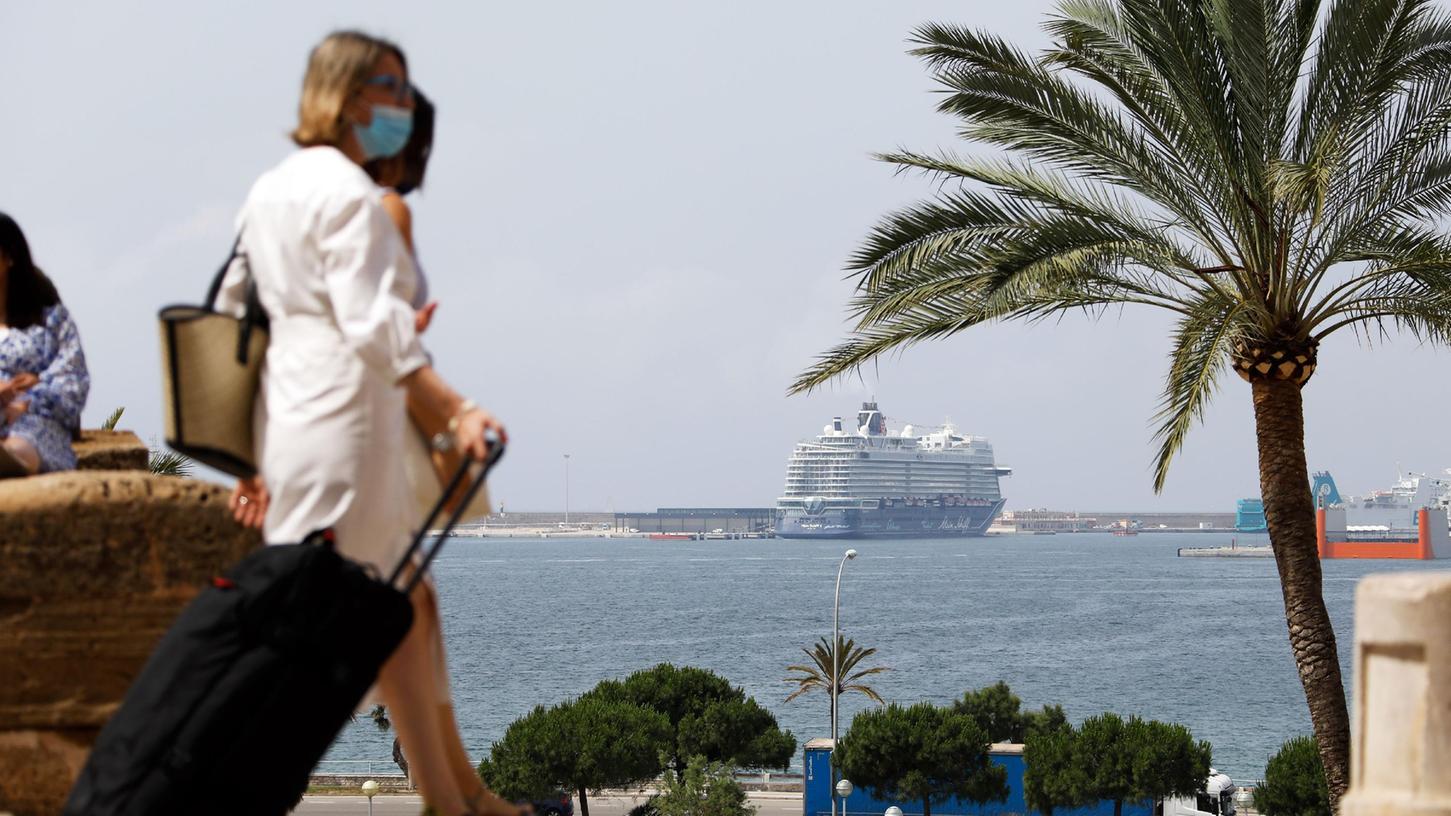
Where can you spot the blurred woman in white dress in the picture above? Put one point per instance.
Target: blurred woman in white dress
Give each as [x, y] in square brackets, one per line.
[337, 282]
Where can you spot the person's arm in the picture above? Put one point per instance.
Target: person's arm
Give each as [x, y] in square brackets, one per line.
[432, 398]
[362, 260]
[61, 390]
[401, 216]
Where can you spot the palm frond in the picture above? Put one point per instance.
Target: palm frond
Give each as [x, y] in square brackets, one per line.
[115, 417]
[1007, 99]
[1364, 55]
[170, 463]
[1202, 344]
[837, 666]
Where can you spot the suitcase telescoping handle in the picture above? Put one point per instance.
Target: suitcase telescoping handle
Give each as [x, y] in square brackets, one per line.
[496, 452]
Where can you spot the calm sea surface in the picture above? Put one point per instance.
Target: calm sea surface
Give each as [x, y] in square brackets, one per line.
[1091, 621]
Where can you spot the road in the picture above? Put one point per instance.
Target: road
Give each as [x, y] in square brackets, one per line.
[767, 804]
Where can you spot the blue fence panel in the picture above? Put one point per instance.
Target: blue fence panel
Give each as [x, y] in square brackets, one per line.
[816, 795]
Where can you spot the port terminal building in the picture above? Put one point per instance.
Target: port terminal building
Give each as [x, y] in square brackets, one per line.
[699, 520]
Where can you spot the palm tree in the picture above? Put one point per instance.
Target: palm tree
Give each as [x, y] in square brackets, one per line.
[159, 462]
[1265, 171]
[379, 715]
[822, 670]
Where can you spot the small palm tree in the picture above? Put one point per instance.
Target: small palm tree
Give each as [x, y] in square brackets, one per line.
[160, 462]
[823, 670]
[169, 463]
[1265, 172]
[115, 417]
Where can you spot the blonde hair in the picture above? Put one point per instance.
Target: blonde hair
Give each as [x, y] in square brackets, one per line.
[336, 69]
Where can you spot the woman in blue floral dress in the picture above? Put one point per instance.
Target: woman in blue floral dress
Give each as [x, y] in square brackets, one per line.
[43, 377]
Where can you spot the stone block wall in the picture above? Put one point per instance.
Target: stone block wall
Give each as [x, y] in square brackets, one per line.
[94, 565]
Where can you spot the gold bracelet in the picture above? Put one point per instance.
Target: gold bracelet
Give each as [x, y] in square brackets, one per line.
[453, 423]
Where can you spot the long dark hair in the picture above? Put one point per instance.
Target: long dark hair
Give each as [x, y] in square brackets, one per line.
[28, 292]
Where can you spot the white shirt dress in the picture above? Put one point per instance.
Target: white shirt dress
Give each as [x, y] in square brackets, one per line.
[337, 283]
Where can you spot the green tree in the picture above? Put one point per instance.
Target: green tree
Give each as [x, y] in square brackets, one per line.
[1105, 758]
[590, 743]
[920, 753]
[1294, 782]
[1051, 777]
[1111, 759]
[1264, 172]
[707, 715]
[705, 789]
[1048, 719]
[1167, 761]
[824, 670]
[998, 711]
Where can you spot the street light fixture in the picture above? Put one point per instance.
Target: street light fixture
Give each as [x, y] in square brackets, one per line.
[836, 665]
[844, 789]
[370, 789]
[566, 490]
[894, 811]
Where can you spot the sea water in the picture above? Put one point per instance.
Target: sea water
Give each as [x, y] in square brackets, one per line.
[1088, 620]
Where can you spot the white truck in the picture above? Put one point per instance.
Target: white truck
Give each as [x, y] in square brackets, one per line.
[1216, 798]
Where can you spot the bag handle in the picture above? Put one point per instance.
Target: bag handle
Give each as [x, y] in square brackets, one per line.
[253, 315]
[496, 452]
[215, 289]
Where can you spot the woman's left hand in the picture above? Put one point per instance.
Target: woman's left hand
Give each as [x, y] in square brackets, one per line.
[473, 429]
[15, 409]
[22, 382]
[423, 317]
[249, 502]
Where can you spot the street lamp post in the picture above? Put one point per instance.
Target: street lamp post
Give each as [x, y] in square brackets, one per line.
[370, 789]
[836, 669]
[566, 490]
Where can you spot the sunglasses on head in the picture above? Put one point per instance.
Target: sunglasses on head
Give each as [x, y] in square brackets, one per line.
[402, 91]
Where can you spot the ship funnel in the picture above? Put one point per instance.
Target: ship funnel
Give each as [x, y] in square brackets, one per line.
[869, 420]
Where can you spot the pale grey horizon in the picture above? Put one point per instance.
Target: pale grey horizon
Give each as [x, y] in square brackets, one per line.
[636, 222]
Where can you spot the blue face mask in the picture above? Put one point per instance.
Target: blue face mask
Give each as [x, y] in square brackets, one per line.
[386, 134]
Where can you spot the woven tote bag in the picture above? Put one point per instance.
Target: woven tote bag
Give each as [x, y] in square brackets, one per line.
[211, 366]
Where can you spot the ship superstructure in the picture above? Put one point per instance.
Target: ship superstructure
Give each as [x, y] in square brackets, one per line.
[863, 480]
[1386, 510]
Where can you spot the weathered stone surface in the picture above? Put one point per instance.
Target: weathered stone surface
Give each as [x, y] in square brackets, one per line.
[110, 450]
[36, 768]
[94, 565]
[1401, 757]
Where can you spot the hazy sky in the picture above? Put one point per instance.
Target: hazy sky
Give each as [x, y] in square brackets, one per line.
[636, 222]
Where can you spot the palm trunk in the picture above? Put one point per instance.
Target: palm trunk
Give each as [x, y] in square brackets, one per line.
[926, 806]
[583, 803]
[1290, 513]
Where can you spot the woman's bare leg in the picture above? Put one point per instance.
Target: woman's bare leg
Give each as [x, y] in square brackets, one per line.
[410, 687]
[23, 452]
[483, 800]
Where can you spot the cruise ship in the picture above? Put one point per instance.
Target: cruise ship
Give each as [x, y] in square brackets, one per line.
[864, 481]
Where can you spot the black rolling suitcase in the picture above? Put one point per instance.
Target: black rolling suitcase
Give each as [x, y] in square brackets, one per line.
[250, 686]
